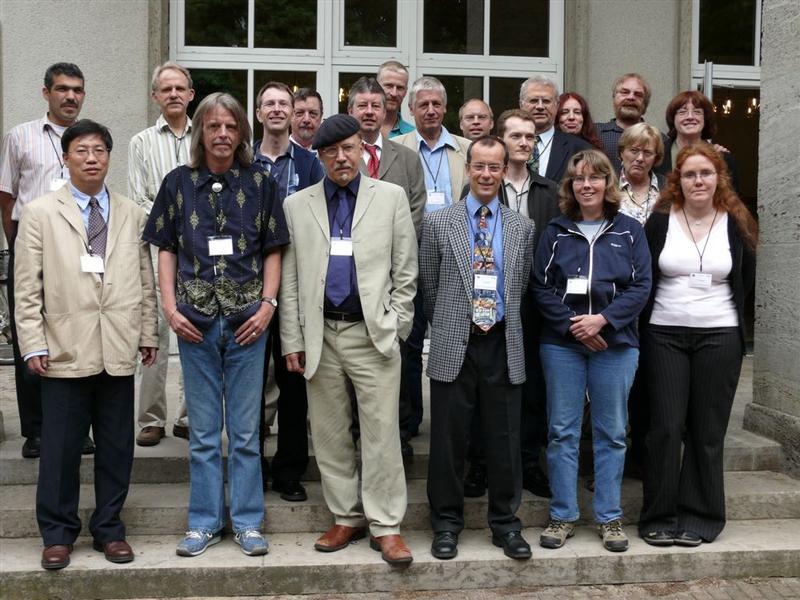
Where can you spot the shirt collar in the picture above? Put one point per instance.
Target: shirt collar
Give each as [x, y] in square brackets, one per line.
[547, 135]
[378, 142]
[624, 183]
[331, 187]
[45, 123]
[83, 199]
[473, 205]
[445, 139]
[204, 175]
[162, 125]
[261, 157]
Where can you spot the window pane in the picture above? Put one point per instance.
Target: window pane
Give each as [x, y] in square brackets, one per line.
[453, 26]
[727, 31]
[370, 23]
[504, 93]
[294, 79]
[519, 27]
[216, 23]
[208, 81]
[285, 24]
[458, 89]
[346, 81]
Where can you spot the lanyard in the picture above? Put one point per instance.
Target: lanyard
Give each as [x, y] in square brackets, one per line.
[58, 156]
[439, 168]
[708, 235]
[523, 190]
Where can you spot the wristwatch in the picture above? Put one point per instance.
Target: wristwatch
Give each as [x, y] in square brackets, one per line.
[272, 301]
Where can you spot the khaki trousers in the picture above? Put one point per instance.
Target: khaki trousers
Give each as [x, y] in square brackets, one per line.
[348, 353]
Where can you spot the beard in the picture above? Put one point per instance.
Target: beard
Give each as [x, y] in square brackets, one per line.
[628, 112]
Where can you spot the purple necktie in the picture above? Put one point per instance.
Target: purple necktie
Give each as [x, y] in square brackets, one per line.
[340, 268]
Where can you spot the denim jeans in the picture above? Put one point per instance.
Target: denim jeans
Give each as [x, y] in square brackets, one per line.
[607, 376]
[219, 373]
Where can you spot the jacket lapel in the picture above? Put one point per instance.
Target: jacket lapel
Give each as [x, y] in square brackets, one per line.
[316, 203]
[366, 192]
[512, 242]
[68, 209]
[460, 245]
[456, 169]
[388, 156]
[116, 221]
[557, 154]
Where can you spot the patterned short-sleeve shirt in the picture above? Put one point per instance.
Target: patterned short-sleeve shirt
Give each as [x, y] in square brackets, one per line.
[194, 205]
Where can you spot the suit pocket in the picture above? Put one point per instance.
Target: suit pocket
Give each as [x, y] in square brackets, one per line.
[60, 336]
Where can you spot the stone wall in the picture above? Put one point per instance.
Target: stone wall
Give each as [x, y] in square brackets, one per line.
[775, 411]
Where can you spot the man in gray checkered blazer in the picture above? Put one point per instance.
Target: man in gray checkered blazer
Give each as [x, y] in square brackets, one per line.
[471, 366]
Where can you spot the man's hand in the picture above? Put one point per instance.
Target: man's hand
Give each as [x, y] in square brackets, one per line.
[587, 326]
[183, 328]
[251, 330]
[296, 362]
[148, 355]
[38, 364]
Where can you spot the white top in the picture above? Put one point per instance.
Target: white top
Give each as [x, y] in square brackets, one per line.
[545, 144]
[678, 304]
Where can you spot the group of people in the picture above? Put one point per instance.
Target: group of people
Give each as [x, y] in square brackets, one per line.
[553, 264]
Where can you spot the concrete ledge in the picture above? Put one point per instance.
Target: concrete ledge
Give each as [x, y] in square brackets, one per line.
[782, 427]
[162, 508]
[753, 549]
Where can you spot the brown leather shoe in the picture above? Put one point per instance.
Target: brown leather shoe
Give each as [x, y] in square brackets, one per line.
[56, 556]
[150, 436]
[392, 548]
[118, 551]
[338, 537]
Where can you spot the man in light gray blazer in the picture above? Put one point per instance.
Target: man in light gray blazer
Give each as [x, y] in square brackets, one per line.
[472, 291]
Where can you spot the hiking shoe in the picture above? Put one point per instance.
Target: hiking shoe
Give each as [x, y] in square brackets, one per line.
[196, 542]
[614, 539]
[556, 533]
[252, 542]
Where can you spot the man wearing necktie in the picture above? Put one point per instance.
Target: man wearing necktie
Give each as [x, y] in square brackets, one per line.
[475, 262]
[349, 279]
[86, 305]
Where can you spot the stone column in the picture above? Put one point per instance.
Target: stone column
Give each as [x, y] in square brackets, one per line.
[775, 410]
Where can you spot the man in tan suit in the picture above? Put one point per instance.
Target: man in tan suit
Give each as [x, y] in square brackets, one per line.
[349, 278]
[86, 304]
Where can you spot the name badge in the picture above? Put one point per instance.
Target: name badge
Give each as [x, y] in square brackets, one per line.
[341, 247]
[436, 198]
[220, 245]
[485, 282]
[700, 280]
[92, 264]
[57, 183]
[578, 286]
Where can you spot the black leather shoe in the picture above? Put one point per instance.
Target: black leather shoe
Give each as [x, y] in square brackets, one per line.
[475, 481]
[406, 450]
[291, 491]
[88, 446]
[32, 448]
[687, 538]
[513, 545]
[535, 481]
[445, 545]
[662, 537]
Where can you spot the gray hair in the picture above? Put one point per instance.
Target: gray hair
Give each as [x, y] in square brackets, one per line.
[537, 80]
[170, 64]
[243, 152]
[426, 84]
[365, 85]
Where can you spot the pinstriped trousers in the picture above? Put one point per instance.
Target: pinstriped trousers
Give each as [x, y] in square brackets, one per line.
[691, 376]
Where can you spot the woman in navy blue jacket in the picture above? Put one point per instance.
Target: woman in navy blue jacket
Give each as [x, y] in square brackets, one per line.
[592, 278]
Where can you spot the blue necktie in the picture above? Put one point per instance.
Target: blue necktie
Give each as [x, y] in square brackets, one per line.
[338, 279]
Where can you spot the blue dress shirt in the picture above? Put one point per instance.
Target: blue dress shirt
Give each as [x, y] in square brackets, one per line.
[83, 203]
[437, 168]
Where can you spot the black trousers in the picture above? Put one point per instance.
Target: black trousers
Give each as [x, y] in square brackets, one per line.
[482, 384]
[691, 376]
[291, 457]
[70, 406]
[29, 389]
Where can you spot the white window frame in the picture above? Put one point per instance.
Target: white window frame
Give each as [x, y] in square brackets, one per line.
[331, 57]
[745, 76]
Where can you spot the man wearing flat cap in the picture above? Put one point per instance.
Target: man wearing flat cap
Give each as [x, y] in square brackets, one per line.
[349, 279]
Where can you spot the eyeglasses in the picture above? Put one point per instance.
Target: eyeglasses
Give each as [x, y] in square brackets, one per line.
[83, 152]
[270, 104]
[494, 168]
[333, 151]
[693, 175]
[581, 179]
[637, 151]
[689, 112]
[477, 117]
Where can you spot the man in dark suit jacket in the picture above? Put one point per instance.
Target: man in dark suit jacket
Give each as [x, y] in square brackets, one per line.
[539, 97]
[294, 169]
[473, 272]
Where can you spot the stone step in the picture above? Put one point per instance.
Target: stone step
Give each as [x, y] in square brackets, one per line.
[153, 509]
[745, 549]
[169, 462]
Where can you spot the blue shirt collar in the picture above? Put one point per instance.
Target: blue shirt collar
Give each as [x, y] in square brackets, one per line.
[445, 139]
[473, 205]
[83, 199]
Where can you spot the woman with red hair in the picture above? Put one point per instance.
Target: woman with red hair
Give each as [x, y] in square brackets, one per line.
[574, 117]
[702, 241]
